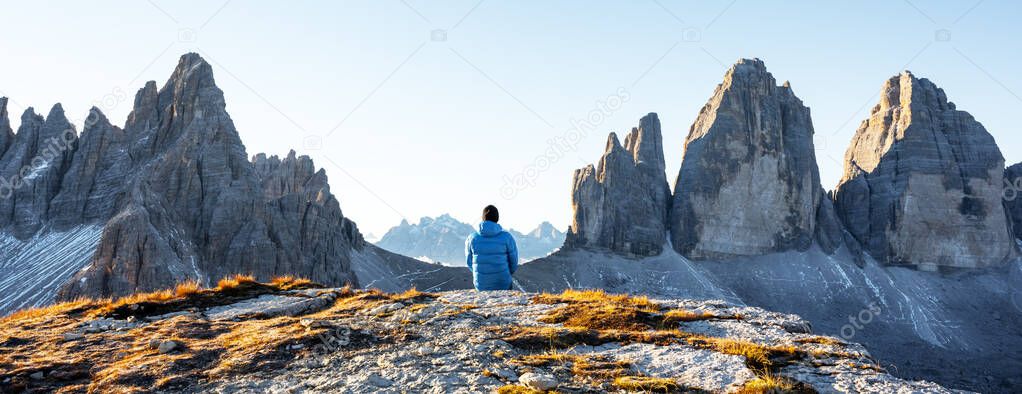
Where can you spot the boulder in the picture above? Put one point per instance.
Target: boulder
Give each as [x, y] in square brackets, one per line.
[923, 183]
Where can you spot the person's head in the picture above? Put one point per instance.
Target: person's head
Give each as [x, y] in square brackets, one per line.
[490, 213]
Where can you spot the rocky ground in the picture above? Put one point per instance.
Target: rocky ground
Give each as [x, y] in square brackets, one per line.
[291, 337]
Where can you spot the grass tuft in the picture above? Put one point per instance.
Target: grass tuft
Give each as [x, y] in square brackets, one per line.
[773, 384]
[647, 384]
[234, 281]
[517, 389]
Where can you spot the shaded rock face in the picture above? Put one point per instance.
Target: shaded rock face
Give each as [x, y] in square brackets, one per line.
[748, 183]
[190, 205]
[170, 197]
[923, 183]
[621, 203]
[32, 168]
[1013, 197]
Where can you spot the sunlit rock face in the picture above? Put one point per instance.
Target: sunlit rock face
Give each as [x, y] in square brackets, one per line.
[748, 183]
[923, 182]
[621, 203]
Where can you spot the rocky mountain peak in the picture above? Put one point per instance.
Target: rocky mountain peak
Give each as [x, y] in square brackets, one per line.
[340, 340]
[645, 142]
[748, 183]
[6, 133]
[621, 203]
[923, 182]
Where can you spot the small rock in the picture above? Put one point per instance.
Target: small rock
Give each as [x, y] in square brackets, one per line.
[37, 376]
[386, 308]
[154, 343]
[167, 347]
[72, 336]
[506, 373]
[538, 381]
[379, 381]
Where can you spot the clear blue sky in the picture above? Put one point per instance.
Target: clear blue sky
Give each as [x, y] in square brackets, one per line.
[431, 126]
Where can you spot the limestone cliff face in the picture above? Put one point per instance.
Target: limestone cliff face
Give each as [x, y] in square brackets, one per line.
[923, 182]
[190, 205]
[32, 168]
[748, 183]
[621, 204]
[1013, 197]
[172, 196]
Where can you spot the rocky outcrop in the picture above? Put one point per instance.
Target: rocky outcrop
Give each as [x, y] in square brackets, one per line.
[749, 184]
[621, 203]
[923, 182]
[336, 340]
[172, 197]
[1013, 197]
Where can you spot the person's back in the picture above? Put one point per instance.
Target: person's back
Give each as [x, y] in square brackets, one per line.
[491, 253]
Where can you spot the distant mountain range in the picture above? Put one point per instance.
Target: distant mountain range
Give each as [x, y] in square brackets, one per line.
[442, 240]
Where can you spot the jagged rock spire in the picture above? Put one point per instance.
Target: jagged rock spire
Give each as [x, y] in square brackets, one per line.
[32, 168]
[6, 134]
[95, 177]
[621, 203]
[749, 183]
[923, 182]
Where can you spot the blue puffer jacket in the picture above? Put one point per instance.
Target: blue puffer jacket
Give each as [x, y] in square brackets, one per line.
[492, 257]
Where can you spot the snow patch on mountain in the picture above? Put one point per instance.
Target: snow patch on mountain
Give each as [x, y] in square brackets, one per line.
[31, 271]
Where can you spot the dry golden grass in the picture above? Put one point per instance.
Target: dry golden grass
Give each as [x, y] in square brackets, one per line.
[517, 389]
[597, 296]
[647, 384]
[62, 308]
[233, 281]
[32, 340]
[821, 340]
[186, 289]
[675, 316]
[602, 368]
[773, 384]
[758, 357]
[547, 338]
[599, 316]
[545, 359]
[597, 310]
[288, 282]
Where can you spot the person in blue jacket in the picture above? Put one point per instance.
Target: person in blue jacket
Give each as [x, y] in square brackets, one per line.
[491, 253]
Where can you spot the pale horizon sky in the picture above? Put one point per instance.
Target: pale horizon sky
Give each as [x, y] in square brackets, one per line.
[419, 108]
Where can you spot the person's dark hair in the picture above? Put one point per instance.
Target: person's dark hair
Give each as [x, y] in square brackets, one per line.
[490, 213]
